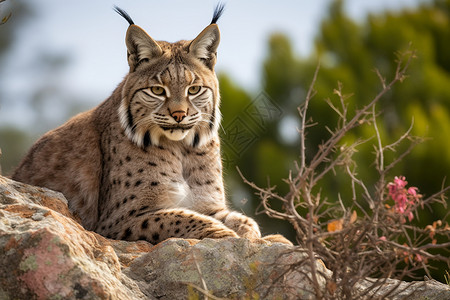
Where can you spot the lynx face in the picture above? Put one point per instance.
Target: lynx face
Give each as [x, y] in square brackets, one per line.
[171, 91]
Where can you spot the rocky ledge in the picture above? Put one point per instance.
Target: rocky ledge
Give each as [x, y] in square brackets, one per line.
[46, 254]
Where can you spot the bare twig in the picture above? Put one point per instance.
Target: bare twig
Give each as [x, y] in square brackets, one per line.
[205, 288]
[354, 245]
[302, 112]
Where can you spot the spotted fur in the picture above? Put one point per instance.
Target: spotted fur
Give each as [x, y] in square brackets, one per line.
[145, 164]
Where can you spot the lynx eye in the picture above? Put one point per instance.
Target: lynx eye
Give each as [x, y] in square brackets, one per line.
[193, 90]
[158, 90]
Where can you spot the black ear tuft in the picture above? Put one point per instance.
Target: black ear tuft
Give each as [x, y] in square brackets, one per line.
[218, 11]
[124, 14]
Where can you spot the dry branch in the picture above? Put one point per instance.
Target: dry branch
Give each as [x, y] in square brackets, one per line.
[354, 247]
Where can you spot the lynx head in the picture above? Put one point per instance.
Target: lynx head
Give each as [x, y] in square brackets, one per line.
[171, 91]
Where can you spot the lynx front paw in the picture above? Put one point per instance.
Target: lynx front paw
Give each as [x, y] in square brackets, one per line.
[277, 238]
[249, 232]
[244, 226]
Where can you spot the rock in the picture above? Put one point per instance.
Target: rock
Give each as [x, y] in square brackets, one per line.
[46, 254]
[230, 268]
[416, 290]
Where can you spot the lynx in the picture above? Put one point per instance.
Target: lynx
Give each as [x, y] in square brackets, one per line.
[145, 164]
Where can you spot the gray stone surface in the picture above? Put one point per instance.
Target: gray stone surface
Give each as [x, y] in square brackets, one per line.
[46, 254]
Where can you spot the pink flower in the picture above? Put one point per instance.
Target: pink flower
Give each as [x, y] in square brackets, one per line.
[404, 198]
[400, 181]
[383, 238]
[410, 216]
[412, 191]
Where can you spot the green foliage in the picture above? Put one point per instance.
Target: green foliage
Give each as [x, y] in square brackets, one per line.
[13, 144]
[356, 49]
[349, 53]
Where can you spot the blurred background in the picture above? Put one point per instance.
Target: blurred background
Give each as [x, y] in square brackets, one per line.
[58, 58]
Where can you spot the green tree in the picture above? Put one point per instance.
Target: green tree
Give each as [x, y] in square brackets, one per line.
[14, 144]
[349, 52]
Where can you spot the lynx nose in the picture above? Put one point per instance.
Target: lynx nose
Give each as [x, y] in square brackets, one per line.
[178, 115]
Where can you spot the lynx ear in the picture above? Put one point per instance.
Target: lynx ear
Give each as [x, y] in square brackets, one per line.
[141, 47]
[204, 46]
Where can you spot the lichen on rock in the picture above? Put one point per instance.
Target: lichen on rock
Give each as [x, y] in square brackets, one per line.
[46, 254]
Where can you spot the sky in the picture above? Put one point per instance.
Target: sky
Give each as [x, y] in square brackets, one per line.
[92, 36]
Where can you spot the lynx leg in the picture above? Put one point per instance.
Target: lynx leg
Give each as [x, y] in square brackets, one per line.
[247, 227]
[277, 238]
[244, 226]
[155, 227]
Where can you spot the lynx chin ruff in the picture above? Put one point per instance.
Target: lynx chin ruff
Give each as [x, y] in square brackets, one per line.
[145, 163]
